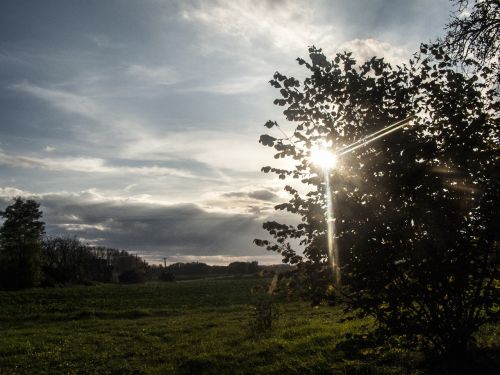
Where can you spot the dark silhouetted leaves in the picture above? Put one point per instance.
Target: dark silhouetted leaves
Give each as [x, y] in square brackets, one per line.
[267, 140]
[416, 212]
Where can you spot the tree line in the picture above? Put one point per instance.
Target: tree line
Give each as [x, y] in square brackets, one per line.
[197, 269]
[29, 258]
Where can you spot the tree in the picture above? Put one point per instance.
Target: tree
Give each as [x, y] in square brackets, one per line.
[20, 242]
[474, 31]
[68, 260]
[416, 212]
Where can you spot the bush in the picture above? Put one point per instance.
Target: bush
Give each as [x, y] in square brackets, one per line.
[166, 276]
[416, 221]
[131, 277]
[265, 312]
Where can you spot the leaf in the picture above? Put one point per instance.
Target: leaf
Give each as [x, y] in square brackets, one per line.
[269, 124]
[275, 83]
[267, 140]
[318, 59]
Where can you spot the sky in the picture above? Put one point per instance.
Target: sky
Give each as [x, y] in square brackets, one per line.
[135, 124]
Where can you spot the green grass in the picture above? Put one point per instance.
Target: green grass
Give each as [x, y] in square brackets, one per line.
[189, 327]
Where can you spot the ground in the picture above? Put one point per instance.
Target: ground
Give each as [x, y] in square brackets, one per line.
[187, 327]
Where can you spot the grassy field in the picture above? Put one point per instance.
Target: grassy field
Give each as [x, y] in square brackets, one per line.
[188, 327]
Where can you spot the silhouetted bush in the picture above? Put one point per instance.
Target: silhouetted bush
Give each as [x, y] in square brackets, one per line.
[264, 313]
[48, 282]
[166, 276]
[131, 277]
[416, 229]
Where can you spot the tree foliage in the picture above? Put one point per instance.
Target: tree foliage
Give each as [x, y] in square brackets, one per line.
[20, 242]
[68, 260]
[474, 31]
[416, 212]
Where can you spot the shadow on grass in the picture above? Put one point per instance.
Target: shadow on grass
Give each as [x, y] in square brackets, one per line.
[479, 361]
[90, 314]
[208, 365]
[377, 353]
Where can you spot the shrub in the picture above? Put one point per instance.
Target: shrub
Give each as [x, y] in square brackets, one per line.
[131, 277]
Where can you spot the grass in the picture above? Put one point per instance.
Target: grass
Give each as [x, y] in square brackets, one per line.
[188, 327]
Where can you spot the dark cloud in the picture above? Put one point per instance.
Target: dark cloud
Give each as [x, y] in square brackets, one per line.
[184, 229]
[262, 195]
[178, 229]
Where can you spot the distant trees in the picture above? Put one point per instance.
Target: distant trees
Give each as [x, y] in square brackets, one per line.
[20, 244]
[243, 267]
[28, 258]
[166, 275]
[197, 269]
[131, 276]
[68, 260]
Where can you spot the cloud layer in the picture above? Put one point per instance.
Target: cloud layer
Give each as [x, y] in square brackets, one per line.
[136, 124]
[181, 231]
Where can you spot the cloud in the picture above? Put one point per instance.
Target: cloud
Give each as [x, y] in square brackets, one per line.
[129, 187]
[284, 24]
[92, 165]
[156, 75]
[365, 49]
[221, 259]
[107, 124]
[169, 230]
[141, 139]
[104, 41]
[223, 149]
[263, 195]
[261, 32]
[231, 86]
[7, 193]
[65, 101]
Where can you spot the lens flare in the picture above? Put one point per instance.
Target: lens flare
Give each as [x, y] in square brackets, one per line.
[327, 160]
[323, 158]
[331, 232]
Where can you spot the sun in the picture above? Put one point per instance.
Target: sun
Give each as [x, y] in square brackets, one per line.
[323, 158]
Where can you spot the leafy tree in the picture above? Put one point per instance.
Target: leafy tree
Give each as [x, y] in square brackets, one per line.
[20, 241]
[416, 212]
[474, 31]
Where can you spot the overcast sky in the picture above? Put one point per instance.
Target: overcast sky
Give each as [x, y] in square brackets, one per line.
[136, 123]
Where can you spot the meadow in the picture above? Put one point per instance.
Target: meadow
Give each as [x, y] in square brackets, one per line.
[206, 326]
